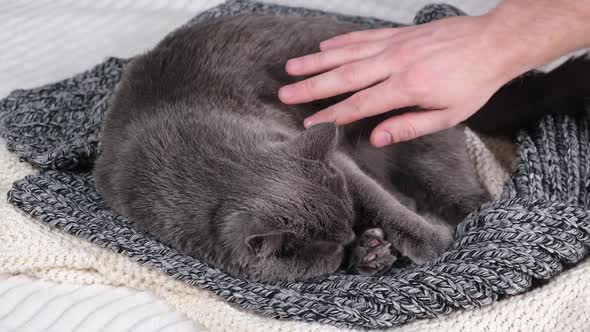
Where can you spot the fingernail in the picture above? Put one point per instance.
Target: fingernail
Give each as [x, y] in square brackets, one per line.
[309, 122]
[291, 65]
[381, 139]
[286, 92]
[324, 44]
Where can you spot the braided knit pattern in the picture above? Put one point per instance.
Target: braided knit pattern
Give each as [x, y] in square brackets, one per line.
[34, 121]
[539, 224]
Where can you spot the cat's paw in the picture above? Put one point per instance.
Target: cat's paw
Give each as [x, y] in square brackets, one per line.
[371, 253]
[429, 246]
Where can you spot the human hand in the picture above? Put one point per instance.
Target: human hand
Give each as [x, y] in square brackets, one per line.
[448, 68]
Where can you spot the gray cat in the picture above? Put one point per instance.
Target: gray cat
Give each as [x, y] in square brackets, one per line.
[198, 151]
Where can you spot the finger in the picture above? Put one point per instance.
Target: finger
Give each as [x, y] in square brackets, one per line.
[381, 98]
[412, 125]
[325, 60]
[360, 37]
[350, 77]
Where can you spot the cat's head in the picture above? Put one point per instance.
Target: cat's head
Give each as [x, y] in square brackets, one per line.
[296, 216]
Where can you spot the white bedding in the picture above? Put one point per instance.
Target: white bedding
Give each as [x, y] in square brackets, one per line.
[46, 40]
[31, 305]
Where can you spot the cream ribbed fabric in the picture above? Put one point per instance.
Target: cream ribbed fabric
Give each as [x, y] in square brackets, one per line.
[492, 159]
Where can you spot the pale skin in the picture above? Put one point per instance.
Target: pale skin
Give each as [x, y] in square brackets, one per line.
[448, 68]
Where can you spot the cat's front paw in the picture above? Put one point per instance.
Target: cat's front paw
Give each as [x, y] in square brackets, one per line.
[428, 246]
[371, 253]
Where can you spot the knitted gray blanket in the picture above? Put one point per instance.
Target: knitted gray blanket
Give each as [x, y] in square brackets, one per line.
[539, 226]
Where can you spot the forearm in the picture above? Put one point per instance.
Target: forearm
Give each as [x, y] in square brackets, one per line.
[530, 33]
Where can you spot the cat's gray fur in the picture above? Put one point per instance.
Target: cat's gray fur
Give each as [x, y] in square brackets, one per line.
[198, 151]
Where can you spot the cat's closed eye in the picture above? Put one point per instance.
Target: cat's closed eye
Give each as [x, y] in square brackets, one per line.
[302, 247]
[322, 247]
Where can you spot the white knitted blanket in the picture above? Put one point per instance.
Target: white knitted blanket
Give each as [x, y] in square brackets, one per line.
[45, 41]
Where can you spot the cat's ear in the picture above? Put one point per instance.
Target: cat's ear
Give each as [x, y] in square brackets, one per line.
[265, 244]
[317, 142]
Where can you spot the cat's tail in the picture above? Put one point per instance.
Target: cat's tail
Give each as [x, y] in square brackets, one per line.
[523, 101]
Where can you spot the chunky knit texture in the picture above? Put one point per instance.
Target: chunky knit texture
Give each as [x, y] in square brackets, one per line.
[539, 223]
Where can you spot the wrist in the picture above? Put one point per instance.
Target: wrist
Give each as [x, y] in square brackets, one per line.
[526, 34]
